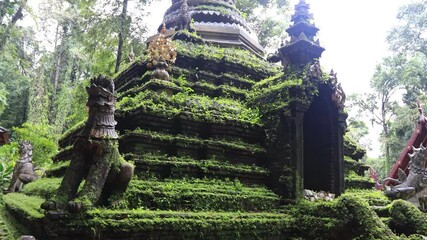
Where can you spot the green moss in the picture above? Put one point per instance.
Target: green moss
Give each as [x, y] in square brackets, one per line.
[187, 36]
[353, 180]
[166, 137]
[208, 166]
[44, 188]
[373, 197]
[126, 66]
[198, 195]
[28, 206]
[72, 130]
[10, 228]
[192, 225]
[235, 56]
[200, 107]
[354, 166]
[57, 167]
[353, 149]
[360, 222]
[278, 92]
[406, 219]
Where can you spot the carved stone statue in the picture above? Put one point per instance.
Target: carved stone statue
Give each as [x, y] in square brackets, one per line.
[184, 18]
[411, 187]
[316, 70]
[23, 172]
[131, 55]
[338, 94]
[333, 80]
[96, 156]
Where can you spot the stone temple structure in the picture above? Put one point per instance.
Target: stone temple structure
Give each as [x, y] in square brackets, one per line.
[223, 141]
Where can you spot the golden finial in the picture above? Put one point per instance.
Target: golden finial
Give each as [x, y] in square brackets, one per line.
[161, 51]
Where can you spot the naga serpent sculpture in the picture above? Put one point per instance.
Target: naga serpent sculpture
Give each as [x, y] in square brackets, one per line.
[411, 187]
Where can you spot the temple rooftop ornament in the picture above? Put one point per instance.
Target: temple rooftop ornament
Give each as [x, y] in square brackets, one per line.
[161, 51]
[216, 21]
[302, 47]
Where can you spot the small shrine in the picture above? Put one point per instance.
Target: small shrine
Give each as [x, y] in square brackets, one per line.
[319, 123]
[4, 135]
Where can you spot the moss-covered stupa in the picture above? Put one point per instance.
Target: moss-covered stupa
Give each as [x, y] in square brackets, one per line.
[223, 144]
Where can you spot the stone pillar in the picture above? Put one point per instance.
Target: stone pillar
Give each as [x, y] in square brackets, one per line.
[286, 152]
[297, 149]
[342, 126]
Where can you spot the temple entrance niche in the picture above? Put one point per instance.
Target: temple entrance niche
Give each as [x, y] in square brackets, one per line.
[321, 156]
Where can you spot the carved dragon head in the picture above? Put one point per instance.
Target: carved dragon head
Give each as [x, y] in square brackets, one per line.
[409, 185]
[101, 92]
[418, 159]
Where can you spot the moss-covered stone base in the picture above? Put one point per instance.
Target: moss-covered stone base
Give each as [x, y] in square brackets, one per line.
[348, 217]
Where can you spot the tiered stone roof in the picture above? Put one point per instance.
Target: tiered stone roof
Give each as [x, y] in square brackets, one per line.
[217, 21]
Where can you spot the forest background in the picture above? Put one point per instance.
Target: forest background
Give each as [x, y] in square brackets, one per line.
[44, 68]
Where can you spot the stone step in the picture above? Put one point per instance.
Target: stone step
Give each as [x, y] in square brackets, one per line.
[198, 195]
[142, 142]
[163, 166]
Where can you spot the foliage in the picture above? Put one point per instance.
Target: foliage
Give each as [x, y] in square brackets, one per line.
[269, 30]
[6, 171]
[348, 217]
[42, 140]
[378, 164]
[358, 131]
[3, 97]
[78, 111]
[380, 106]
[257, 12]
[9, 153]
[15, 83]
[406, 37]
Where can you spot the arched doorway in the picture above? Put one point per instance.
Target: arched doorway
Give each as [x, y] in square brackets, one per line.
[322, 162]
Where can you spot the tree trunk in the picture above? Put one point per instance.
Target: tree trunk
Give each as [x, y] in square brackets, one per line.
[121, 35]
[58, 66]
[386, 135]
[16, 16]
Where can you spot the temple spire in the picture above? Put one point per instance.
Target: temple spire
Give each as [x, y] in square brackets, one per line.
[216, 21]
[302, 48]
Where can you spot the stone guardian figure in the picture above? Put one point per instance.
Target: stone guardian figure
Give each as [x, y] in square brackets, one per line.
[23, 172]
[96, 156]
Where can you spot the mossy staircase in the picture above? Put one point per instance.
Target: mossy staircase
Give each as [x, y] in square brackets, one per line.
[208, 209]
[157, 209]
